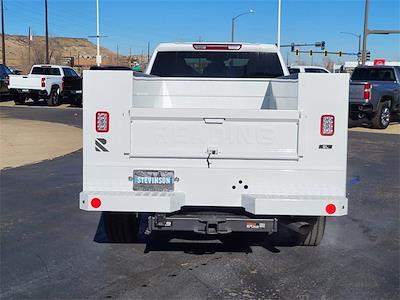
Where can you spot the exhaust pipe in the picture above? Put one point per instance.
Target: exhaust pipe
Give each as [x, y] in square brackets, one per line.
[302, 228]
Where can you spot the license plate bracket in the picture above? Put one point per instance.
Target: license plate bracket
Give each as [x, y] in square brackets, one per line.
[153, 180]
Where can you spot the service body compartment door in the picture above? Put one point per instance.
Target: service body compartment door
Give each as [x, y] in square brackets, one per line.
[225, 134]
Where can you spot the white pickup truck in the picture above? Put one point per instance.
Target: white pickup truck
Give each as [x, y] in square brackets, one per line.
[49, 82]
[214, 139]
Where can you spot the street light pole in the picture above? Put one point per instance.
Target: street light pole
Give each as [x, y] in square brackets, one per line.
[359, 39]
[279, 25]
[233, 23]
[98, 57]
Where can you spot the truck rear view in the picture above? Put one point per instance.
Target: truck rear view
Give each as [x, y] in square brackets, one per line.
[213, 139]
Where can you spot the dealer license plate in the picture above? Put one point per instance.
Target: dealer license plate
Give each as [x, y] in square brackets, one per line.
[151, 180]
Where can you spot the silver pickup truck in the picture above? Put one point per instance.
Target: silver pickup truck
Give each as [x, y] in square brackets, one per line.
[375, 94]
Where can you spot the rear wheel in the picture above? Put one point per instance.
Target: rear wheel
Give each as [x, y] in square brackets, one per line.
[381, 119]
[286, 236]
[19, 99]
[54, 97]
[315, 235]
[121, 227]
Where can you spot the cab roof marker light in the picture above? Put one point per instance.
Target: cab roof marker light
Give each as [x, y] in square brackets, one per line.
[217, 46]
[102, 121]
[327, 126]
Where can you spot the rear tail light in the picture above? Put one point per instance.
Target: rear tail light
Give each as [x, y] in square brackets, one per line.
[217, 46]
[327, 127]
[367, 92]
[102, 121]
[95, 203]
[330, 208]
[43, 82]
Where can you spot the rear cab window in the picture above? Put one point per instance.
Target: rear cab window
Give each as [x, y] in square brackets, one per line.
[373, 74]
[294, 70]
[217, 64]
[314, 70]
[45, 71]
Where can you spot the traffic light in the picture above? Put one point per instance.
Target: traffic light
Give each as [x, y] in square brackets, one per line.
[340, 53]
[368, 56]
[310, 52]
[323, 45]
[297, 51]
[292, 46]
[326, 53]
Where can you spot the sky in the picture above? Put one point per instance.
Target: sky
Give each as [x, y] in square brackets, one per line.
[132, 23]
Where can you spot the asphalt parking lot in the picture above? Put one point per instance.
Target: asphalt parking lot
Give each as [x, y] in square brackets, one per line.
[51, 249]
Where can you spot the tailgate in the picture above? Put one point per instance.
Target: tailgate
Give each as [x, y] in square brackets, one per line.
[224, 134]
[356, 92]
[25, 82]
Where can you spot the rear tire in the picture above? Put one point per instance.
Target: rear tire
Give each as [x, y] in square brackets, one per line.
[315, 235]
[54, 97]
[288, 237]
[381, 119]
[121, 227]
[19, 99]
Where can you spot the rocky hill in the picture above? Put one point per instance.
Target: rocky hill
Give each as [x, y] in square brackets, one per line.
[61, 49]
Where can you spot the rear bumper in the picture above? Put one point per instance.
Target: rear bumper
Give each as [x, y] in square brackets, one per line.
[362, 107]
[167, 202]
[30, 92]
[211, 224]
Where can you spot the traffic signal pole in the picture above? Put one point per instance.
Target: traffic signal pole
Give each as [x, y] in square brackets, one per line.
[364, 48]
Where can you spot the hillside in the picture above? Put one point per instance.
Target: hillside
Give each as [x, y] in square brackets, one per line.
[60, 49]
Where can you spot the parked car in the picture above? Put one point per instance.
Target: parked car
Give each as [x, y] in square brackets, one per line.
[49, 82]
[307, 69]
[214, 139]
[375, 94]
[5, 72]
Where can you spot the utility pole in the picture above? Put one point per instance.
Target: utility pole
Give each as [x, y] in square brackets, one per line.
[117, 55]
[29, 46]
[47, 32]
[3, 42]
[148, 52]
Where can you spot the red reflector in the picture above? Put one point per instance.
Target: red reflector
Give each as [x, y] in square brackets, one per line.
[102, 121]
[43, 83]
[96, 202]
[367, 92]
[330, 208]
[327, 127]
[217, 46]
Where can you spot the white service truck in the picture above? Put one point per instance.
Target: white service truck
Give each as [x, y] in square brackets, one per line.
[213, 139]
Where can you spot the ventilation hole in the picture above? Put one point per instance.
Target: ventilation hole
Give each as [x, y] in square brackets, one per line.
[233, 187]
[83, 201]
[240, 182]
[246, 187]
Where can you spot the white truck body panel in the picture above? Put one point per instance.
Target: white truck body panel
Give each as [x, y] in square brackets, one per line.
[264, 133]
